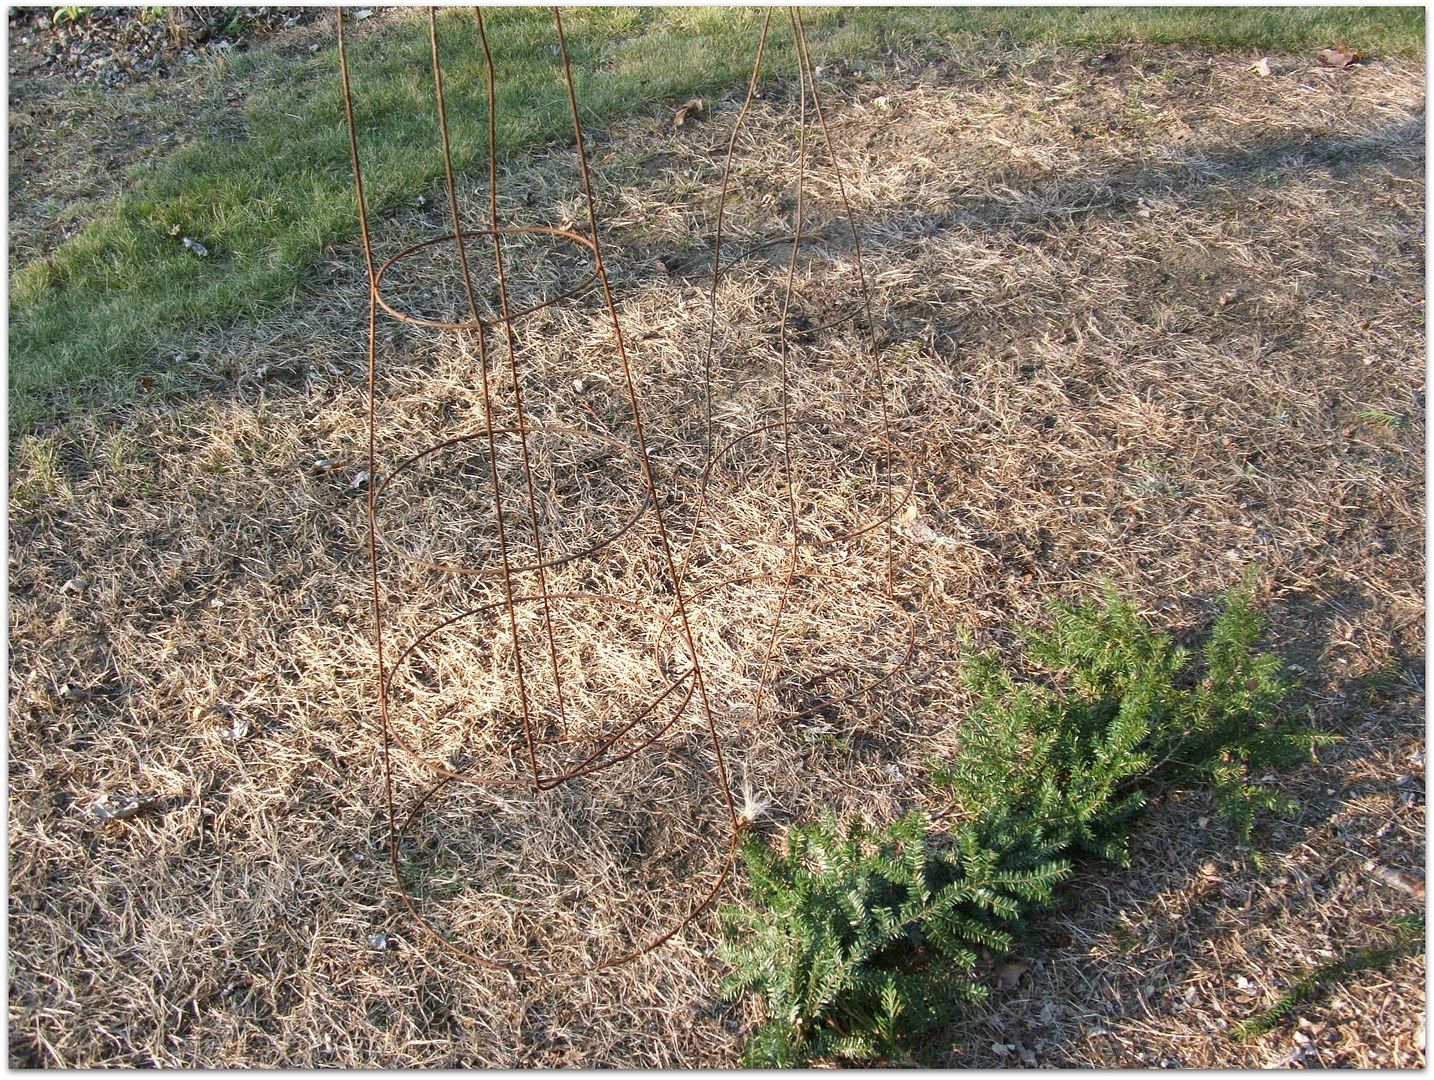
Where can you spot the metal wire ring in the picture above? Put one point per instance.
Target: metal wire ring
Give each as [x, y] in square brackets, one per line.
[523, 432]
[518, 967]
[483, 324]
[605, 752]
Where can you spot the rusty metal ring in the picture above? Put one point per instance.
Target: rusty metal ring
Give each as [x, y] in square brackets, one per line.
[517, 967]
[498, 571]
[478, 323]
[606, 752]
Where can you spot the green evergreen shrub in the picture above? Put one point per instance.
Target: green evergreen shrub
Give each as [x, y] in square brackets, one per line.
[1214, 723]
[863, 942]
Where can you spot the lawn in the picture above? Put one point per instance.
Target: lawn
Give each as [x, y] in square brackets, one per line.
[1151, 320]
[271, 200]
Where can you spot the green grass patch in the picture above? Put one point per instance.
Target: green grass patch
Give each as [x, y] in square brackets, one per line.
[123, 295]
[1381, 30]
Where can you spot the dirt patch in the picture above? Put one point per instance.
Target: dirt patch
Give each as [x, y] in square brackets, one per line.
[114, 89]
[111, 47]
[1151, 320]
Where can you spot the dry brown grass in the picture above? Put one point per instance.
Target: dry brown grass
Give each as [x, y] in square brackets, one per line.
[1149, 318]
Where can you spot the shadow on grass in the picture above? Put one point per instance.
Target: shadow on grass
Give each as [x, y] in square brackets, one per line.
[1200, 177]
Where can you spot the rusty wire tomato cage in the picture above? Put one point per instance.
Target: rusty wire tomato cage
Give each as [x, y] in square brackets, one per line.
[680, 686]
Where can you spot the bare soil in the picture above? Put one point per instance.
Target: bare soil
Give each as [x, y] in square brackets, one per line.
[112, 90]
[1147, 317]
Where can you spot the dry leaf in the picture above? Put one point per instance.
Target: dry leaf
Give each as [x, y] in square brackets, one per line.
[1262, 67]
[1009, 974]
[1411, 883]
[689, 110]
[1340, 57]
[1059, 937]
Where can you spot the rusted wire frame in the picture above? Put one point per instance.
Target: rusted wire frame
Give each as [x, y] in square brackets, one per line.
[511, 611]
[512, 343]
[786, 423]
[385, 676]
[807, 81]
[372, 355]
[878, 369]
[542, 563]
[722, 781]
[707, 437]
[807, 78]
[372, 351]
[618, 339]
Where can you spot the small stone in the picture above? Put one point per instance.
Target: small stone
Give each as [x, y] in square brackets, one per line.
[122, 807]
